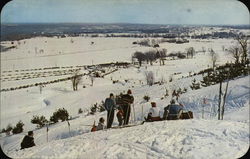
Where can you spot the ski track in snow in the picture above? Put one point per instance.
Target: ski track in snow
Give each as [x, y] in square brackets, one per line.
[167, 139]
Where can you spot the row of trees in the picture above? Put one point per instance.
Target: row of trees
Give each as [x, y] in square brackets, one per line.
[60, 114]
[150, 56]
[15, 130]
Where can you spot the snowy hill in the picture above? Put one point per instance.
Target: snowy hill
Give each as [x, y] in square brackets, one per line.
[196, 138]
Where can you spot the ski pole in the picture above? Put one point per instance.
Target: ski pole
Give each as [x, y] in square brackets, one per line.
[69, 127]
[134, 112]
[142, 112]
[47, 133]
[126, 118]
[109, 115]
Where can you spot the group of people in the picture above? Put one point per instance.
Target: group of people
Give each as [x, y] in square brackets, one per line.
[171, 112]
[123, 108]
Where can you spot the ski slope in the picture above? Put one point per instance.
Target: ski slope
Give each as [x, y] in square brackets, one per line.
[196, 138]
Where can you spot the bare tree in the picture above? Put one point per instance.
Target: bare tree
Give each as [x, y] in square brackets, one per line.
[242, 40]
[92, 80]
[153, 42]
[162, 56]
[139, 56]
[190, 52]
[235, 52]
[76, 78]
[151, 56]
[219, 102]
[214, 57]
[149, 78]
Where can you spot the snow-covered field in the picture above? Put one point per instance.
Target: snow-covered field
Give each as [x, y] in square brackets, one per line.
[196, 138]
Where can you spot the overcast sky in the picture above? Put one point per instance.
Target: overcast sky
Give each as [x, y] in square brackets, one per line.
[126, 11]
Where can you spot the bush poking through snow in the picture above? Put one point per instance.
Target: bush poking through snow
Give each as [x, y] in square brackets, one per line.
[93, 109]
[7, 130]
[97, 108]
[101, 107]
[40, 121]
[146, 98]
[195, 85]
[80, 111]
[18, 128]
[166, 93]
[53, 118]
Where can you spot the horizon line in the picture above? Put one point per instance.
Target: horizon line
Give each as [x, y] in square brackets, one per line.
[120, 23]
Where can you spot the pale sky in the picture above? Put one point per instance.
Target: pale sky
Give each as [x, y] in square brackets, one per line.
[214, 12]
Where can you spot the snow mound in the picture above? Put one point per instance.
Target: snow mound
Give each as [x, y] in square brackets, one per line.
[166, 139]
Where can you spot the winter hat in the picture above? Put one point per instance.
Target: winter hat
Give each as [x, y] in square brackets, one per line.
[153, 104]
[30, 133]
[129, 91]
[172, 101]
[101, 120]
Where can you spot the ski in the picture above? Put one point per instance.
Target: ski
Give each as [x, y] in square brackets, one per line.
[126, 126]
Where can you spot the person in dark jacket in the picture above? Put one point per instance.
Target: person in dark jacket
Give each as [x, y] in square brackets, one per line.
[127, 99]
[110, 107]
[172, 111]
[28, 141]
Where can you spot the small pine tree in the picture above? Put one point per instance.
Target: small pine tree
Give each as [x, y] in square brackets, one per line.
[9, 128]
[62, 114]
[93, 109]
[40, 121]
[101, 107]
[195, 85]
[166, 93]
[184, 90]
[170, 79]
[54, 118]
[18, 128]
[179, 91]
[146, 98]
[3, 130]
[80, 111]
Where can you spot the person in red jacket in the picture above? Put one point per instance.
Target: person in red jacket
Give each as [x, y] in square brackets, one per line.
[120, 116]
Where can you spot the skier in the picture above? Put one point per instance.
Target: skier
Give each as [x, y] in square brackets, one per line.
[28, 140]
[110, 107]
[173, 111]
[120, 116]
[154, 113]
[127, 100]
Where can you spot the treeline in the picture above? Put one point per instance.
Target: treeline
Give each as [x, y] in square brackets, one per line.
[117, 64]
[60, 114]
[152, 34]
[150, 56]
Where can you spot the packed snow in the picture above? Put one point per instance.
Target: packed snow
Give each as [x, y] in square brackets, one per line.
[194, 138]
